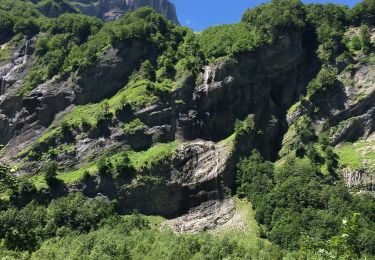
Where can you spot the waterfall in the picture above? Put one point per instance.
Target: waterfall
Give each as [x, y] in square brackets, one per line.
[25, 55]
[217, 196]
[2, 85]
[208, 73]
[17, 66]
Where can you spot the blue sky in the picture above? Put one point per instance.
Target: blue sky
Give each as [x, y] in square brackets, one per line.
[200, 14]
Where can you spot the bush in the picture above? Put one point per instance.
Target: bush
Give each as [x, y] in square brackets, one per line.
[254, 178]
[226, 40]
[325, 80]
[363, 12]
[50, 172]
[356, 43]
[78, 213]
[6, 25]
[28, 27]
[365, 38]
[66, 131]
[295, 199]
[105, 168]
[124, 168]
[146, 72]
[276, 18]
[23, 229]
[329, 22]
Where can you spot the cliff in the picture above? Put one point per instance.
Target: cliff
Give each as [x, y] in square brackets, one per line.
[109, 10]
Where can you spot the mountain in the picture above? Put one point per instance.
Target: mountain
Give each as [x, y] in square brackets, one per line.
[260, 132]
[109, 10]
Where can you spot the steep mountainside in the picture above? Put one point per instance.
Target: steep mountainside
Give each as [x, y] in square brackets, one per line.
[109, 10]
[133, 113]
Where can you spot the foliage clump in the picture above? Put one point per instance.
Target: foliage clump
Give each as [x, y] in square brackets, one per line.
[295, 201]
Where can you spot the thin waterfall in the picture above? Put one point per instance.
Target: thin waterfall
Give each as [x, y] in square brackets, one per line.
[217, 196]
[209, 73]
[25, 55]
[24, 61]
[2, 86]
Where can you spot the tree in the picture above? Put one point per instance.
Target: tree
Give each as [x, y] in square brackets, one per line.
[124, 167]
[363, 12]
[314, 155]
[365, 38]
[146, 72]
[27, 27]
[104, 167]
[254, 177]
[276, 18]
[356, 43]
[22, 229]
[50, 172]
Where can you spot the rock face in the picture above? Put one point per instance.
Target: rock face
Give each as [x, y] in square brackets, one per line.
[264, 83]
[39, 108]
[202, 165]
[359, 179]
[207, 216]
[109, 10]
[348, 109]
[200, 116]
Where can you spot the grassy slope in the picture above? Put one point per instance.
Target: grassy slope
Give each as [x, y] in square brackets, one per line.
[137, 159]
[356, 155]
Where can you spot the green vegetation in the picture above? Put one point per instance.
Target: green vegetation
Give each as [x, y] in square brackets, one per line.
[300, 203]
[76, 227]
[121, 164]
[356, 155]
[7, 184]
[24, 229]
[153, 155]
[225, 40]
[324, 81]
[72, 42]
[134, 125]
[363, 13]
[365, 38]
[261, 25]
[4, 54]
[296, 202]
[275, 19]
[50, 172]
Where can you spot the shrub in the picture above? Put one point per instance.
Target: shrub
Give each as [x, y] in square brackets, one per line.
[22, 229]
[276, 18]
[50, 172]
[104, 168]
[363, 12]
[77, 212]
[365, 39]
[325, 80]
[356, 43]
[124, 168]
[28, 27]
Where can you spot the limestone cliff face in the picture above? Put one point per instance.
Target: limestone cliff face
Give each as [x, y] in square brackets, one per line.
[161, 6]
[361, 179]
[109, 10]
[264, 83]
[199, 115]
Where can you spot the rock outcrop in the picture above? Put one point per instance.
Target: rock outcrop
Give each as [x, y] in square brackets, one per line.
[207, 216]
[359, 179]
[263, 83]
[109, 10]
